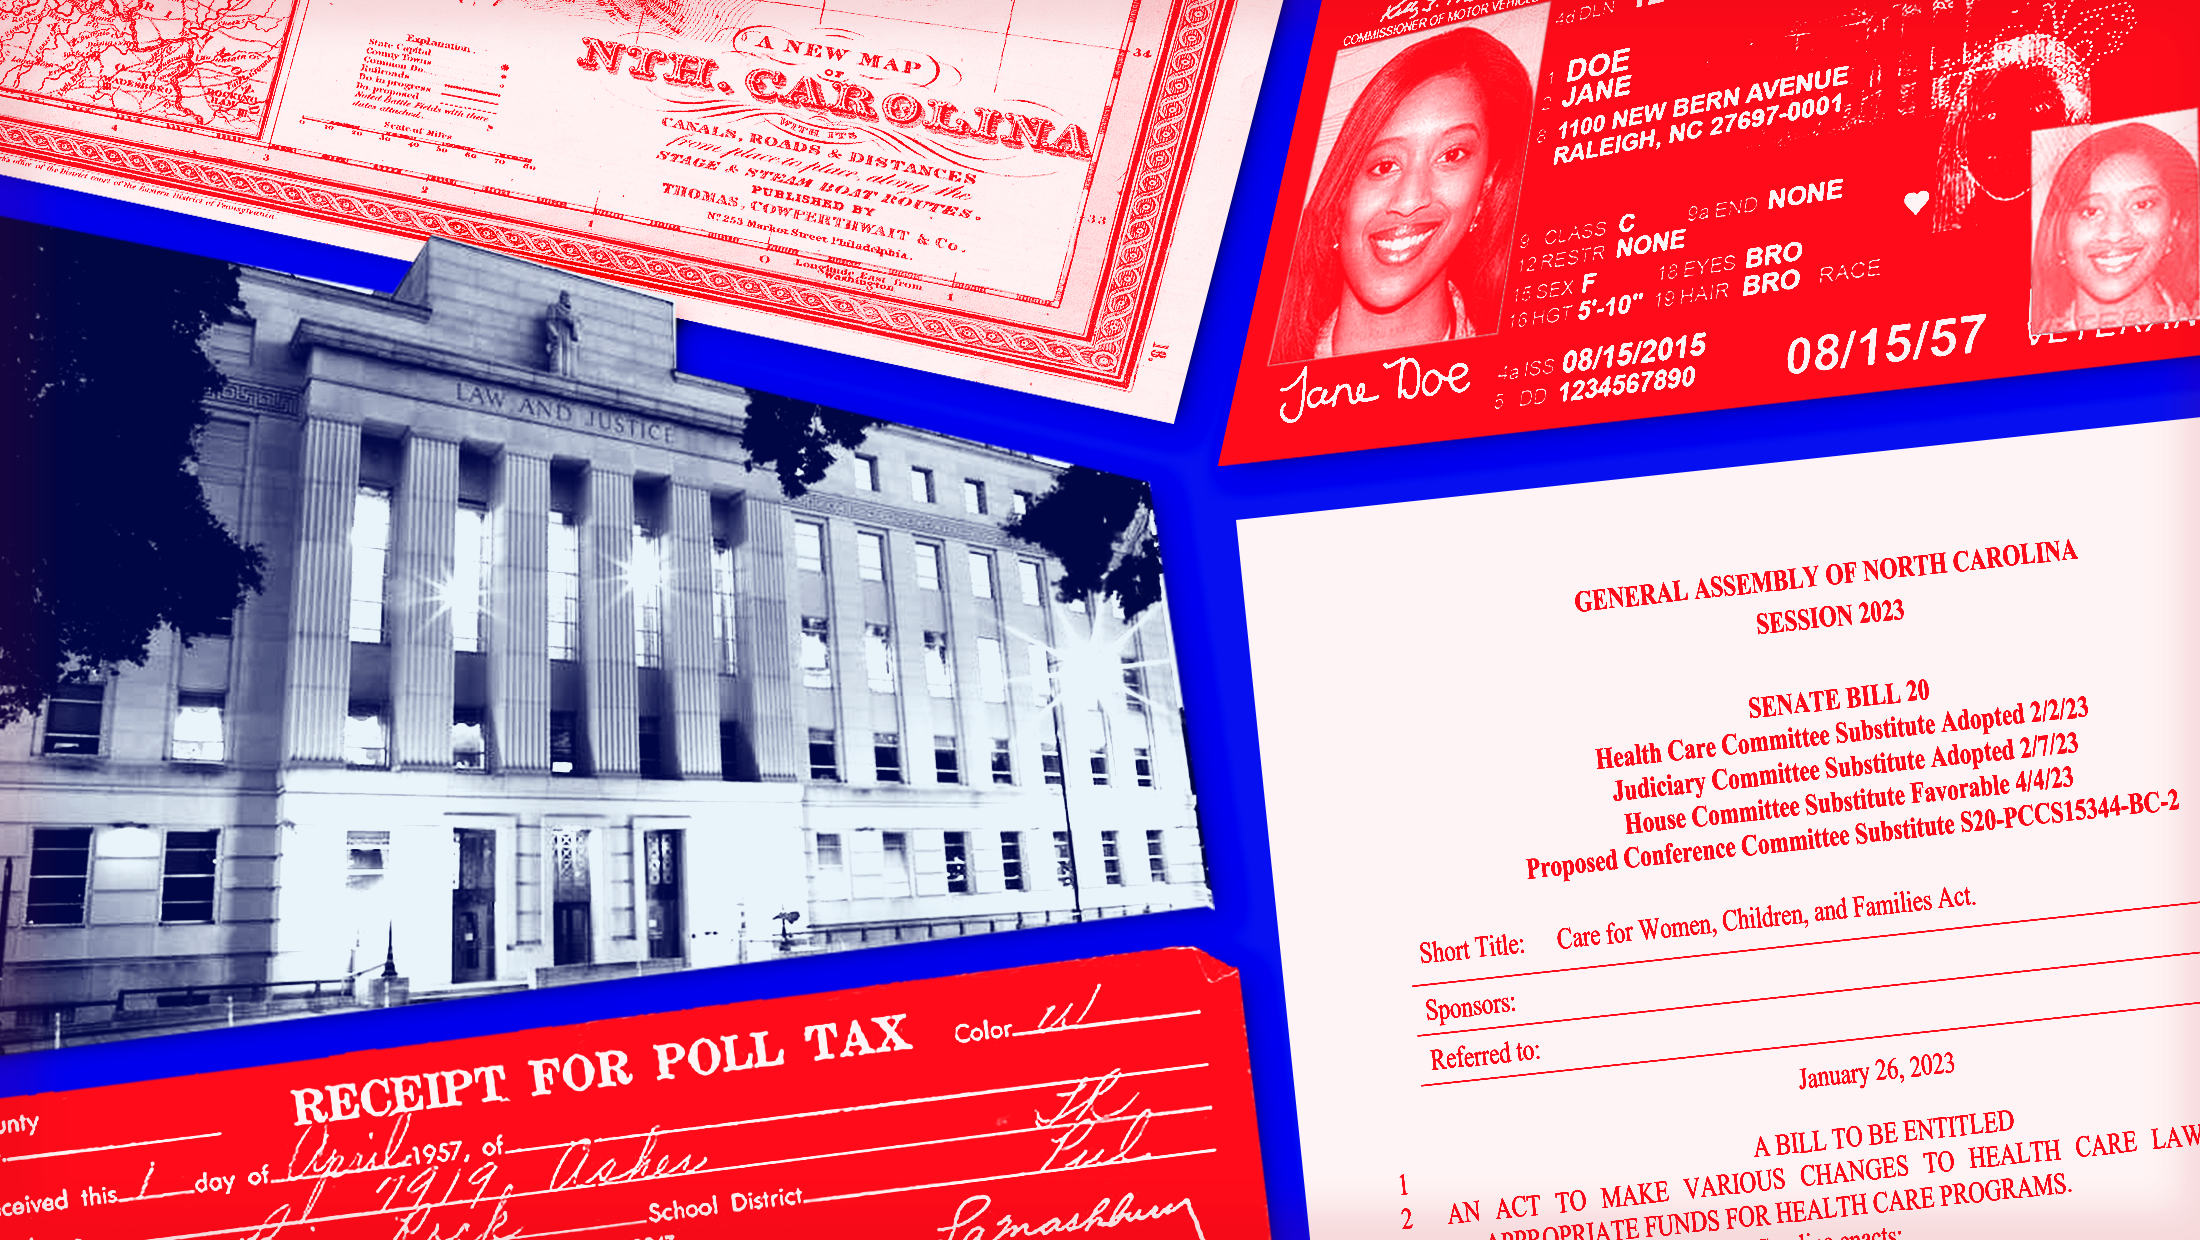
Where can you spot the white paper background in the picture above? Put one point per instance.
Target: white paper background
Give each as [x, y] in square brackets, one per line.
[1430, 701]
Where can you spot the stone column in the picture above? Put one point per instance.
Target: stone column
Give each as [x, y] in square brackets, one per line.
[607, 624]
[423, 538]
[691, 648]
[318, 680]
[766, 644]
[1029, 692]
[518, 623]
[970, 618]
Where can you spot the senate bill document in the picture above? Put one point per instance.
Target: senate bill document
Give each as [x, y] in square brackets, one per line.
[1026, 195]
[1797, 850]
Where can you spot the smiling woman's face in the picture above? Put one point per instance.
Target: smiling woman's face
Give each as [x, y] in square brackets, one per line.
[2116, 235]
[1413, 196]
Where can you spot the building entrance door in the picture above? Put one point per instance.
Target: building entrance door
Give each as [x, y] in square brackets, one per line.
[474, 907]
[572, 934]
[661, 874]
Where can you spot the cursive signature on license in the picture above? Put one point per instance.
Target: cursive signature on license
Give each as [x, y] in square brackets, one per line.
[970, 1222]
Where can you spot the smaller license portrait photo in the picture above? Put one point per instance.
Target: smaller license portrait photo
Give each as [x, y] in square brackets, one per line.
[2114, 206]
[1405, 233]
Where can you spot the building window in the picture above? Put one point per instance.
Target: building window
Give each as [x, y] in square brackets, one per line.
[198, 732]
[1027, 580]
[886, 756]
[722, 605]
[828, 850]
[817, 654]
[73, 713]
[809, 546]
[920, 485]
[973, 497]
[370, 559]
[1019, 503]
[939, 670]
[992, 673]
[1039, 668]
[61, 870]
[981, 574]
[1142, 762]
[1157, 863]
[878, 657]
[565, 743]
[565, 587]
[1065, 864]
[945, 768]
[1003, 773]
[1099, 731]
[469, 578]
[899, 880]
[870, 555]
[1111, 861]
[645, 575]
[1050, 761]
[650, 751]
[824, 758]
[1134, 683]
[958, 863]
[733, 758]
[366, 860]
[187, 876]
[469, 739]
[366, 737]
[1012, 860]
[928, 566]
[866, 472]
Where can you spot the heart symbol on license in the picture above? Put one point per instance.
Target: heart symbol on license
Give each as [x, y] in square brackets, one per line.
[1916, 200]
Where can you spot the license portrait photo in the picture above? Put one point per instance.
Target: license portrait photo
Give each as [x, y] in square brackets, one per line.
[2115, 206]
[1405, 234]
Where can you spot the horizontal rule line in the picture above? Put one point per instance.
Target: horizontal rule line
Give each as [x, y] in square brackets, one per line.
[1014, 1175]
[1102, 1024]
[1774, 947]
[866, 1106]
[1808, 994]
[1791, 1046]
[97, 1149]
[819, 1156]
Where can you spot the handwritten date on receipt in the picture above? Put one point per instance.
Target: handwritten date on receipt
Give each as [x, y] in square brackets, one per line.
[1103, 1094]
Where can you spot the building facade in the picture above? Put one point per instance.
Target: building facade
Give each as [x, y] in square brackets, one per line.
[546, 685]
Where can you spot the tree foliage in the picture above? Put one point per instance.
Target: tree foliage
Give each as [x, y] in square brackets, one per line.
[796, 438]
[105, 535]
[1100, 526]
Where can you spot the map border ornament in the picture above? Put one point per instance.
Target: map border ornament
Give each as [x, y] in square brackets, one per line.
[1107, 352]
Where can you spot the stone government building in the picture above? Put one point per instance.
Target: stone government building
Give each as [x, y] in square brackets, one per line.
[546, 686]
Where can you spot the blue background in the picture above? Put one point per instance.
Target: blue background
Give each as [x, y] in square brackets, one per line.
[1199, 504]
